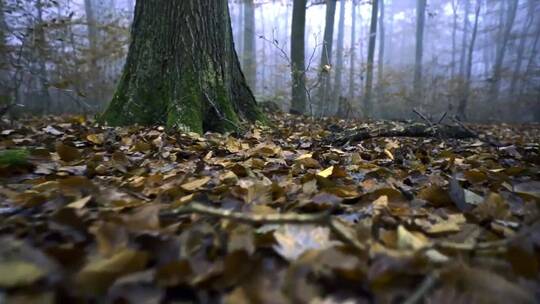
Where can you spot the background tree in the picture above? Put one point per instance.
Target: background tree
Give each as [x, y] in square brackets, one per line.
[249, 56]
[501, 49]
[382, 37]
[352, 58]
[339, 57]
[182, 70]
[467, 84]
[298, 68]
[326, 57]
[419, 53]
[371, 57]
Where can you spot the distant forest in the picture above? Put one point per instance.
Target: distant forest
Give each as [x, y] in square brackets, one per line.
[478, 59]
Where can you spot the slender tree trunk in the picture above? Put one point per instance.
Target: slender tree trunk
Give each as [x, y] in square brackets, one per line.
[239, 27]
[499, 60]
[182, 70]
[390, 34]
[454, 30]
[371, 57]
[326, 57]
[264, 59]
[41, 44]
[521, 48]
[298, 68]
[467, 85]
[420, 21]
[532, 59]
[464, 39]
[5, 90]
[94, 73]
[353, 52]
[380, 64]
[250, 62]
[339, 57]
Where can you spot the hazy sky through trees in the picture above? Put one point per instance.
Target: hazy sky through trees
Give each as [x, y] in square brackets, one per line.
[504, 60]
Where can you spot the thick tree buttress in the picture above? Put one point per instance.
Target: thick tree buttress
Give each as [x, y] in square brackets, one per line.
[182, 70]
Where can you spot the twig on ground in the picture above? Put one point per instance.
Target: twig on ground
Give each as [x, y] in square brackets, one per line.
[442, 118]
[424, 118]
[323, 218]
[427, 284]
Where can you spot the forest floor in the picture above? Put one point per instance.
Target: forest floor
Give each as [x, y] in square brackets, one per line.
[299, 211]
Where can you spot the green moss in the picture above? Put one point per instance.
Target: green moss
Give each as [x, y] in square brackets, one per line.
[185, 114]
[14, 158]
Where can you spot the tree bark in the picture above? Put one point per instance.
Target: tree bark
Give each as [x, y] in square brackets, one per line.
[371, 57]
[250, 63]
[339, 57]
[298, 67]
[182, 70]
[499, 60]
[467, 83]
[420, 21]
[326, 57]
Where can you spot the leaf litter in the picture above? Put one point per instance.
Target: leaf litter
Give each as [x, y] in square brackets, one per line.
[278, 214]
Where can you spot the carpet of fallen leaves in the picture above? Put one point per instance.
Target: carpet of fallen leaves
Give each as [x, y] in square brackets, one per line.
[274, 215]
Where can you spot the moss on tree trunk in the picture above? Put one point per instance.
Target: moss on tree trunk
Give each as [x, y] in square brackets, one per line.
[182, 70]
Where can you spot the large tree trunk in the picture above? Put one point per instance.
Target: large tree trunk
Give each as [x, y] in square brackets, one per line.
[420, 21]
[339, 57]
[499, 60]
[249, 59]
[182, 70]
[298, 68]
[326, 57]
[371, 57]
[467, 83]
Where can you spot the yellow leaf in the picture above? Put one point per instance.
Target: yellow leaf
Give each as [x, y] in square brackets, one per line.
[303, 156]
[97, 139]
[326, 172]
[407, 240]
[80, 203]
[98, 275]
[389, 154]
[18, 273]
[195, 184]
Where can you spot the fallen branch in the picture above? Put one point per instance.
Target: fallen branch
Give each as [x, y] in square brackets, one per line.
[476, 135]
[411, 130]
[323, 219]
